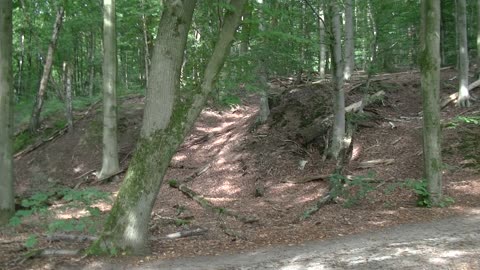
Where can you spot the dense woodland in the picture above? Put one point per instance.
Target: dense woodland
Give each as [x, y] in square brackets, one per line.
[59, 59]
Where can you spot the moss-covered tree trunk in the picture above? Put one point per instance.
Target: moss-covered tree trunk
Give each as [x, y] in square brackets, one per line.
[110, 164]
[127, 225]
[7, 206]
[430, 78]
[338, 133]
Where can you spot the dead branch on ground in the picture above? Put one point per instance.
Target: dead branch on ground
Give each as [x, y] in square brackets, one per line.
[209, 206]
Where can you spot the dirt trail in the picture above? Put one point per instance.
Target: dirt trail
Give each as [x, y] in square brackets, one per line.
[446, 244]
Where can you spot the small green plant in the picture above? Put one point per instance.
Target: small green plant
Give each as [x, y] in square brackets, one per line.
[173, 183]
[353, 189]
[22, 140]
[420, 188]
[31, 241]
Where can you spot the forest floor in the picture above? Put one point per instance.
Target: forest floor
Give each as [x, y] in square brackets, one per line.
[228, 160]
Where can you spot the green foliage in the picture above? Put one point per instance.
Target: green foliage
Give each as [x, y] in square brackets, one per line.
[23, 140]
[420, 188]
[39, 203]
[173, 183]
[31, 241]
[353, 190]
[230, 100]
[459, 120]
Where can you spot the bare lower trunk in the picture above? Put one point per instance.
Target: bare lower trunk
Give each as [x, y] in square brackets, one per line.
[37, 107]
[7, 207]
[349, 40]
[127, 225]
[463, 93]
[110, 164]
[338, 133]
[430, 78]
[478, 39]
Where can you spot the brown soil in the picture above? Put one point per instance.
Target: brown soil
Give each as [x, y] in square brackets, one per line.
[241, 159]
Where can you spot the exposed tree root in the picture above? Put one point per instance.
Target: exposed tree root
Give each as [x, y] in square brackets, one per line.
[209, 206]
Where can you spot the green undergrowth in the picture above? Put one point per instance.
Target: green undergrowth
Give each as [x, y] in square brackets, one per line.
[44, 205]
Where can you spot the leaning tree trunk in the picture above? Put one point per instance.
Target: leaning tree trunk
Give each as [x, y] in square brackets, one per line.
[349, 40]
[338, 133]
[110, 164]
[463, 93]
[7, 207]
[430, 79]
[127, 225]
[37, 107]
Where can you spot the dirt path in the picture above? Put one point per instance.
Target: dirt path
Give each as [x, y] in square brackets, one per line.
[446, 244]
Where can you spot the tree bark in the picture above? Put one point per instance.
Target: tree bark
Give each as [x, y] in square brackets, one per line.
[37, 108]
[91, 83]
[338, 133]
[110, 164]
[430, 80]
[127, 225]
[478, 39]
[146, 54]
[7, 205]
[349, 39]
[322, 61]
[68, 97]
[463, 93]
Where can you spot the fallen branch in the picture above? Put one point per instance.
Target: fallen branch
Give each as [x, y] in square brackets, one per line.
[181, 234]
[375, 162]
[209, 206]
[320, 125]
[307, 179]
[454, 96]
[312, 210]
[32, 147]
[35, 253]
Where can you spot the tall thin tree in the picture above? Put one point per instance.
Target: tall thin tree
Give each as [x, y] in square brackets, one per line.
[110, 164]
[430, 80]
[47, 68]
[7, 206]
[463, 93]
[349, 39]
[338, 134]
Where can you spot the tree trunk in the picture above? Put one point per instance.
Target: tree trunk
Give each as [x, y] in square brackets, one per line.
[127, 225]
[322, 61]
[338, 133]
[430, 80]
[349, 39]
[145, 42]
[463, 93]
[37, 107]
[110, 164]
[262, 77]
[478, 39]
[7, 206]
[92, 65]
[68, 97]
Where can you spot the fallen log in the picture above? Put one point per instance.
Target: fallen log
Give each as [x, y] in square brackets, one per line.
[320, 125]
[454, 96]
[209, 206]
[32, 147]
